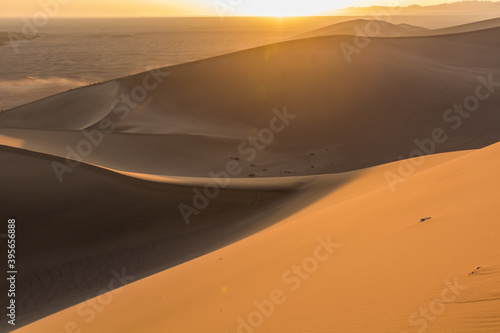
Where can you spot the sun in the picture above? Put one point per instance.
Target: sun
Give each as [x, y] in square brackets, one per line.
[287, 8]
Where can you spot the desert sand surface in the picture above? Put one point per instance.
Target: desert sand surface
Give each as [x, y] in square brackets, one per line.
[382, 268]
[325, 148]
[6, 37]
[406, 84]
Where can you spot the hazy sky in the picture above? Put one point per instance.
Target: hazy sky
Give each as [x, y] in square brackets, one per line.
[111, 8]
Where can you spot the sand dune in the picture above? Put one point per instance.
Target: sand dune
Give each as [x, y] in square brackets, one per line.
[348, 111]
[327, 128]
[361, 27]
[96, 222]
[385, 267]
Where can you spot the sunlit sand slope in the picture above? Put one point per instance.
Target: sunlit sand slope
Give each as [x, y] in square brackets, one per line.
[357, 260]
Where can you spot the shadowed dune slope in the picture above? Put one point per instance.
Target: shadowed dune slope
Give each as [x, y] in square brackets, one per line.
[73, 235]
[354, 115]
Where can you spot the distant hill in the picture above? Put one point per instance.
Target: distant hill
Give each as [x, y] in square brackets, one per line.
[476, 26]
[378, 28]
[370, 28]
[463, 7]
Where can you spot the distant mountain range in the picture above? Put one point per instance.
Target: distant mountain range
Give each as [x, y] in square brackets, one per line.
[361, 27]
[462, 7]
[378, 28]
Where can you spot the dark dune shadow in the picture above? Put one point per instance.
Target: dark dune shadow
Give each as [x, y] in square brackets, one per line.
[74, 237]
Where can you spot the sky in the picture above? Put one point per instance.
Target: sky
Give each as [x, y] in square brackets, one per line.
[127, 8]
